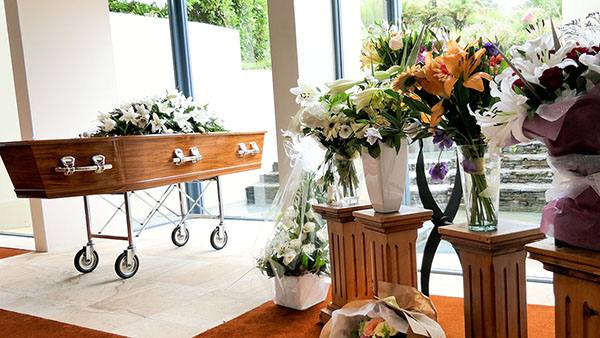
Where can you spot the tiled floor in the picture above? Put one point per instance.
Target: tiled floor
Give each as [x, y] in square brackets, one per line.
[183, 291]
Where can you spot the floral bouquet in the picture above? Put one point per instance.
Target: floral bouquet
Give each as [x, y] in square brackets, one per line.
[551, 93]
[398, 311]
[346, 115]
[297, 255]
[166, 114]
[447, 88]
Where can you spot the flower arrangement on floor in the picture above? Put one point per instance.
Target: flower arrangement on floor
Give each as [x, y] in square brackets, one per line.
[347, 116]
[447, 88]
[398, 311]
[165, 114]
[297, 256]
[551, 92]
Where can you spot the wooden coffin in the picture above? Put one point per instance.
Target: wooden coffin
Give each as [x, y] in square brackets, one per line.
[72, 167]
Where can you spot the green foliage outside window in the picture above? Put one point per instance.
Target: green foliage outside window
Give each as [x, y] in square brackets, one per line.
[249, 17]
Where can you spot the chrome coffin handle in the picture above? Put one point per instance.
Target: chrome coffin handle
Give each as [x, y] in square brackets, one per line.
[180, 158]
[69, 168]
[244, 151]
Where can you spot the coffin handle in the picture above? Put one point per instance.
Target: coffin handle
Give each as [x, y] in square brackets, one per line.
[180, 158]
[243, 149]
[68, 165]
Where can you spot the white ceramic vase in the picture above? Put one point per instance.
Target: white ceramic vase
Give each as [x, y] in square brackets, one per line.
[385, 177]
[301, 292]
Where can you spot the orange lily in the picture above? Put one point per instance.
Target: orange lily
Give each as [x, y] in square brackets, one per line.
[435, 118]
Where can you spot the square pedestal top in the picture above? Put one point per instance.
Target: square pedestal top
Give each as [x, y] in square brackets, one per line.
[509, 234]
[408, 217]
[339, 213]
[566, 260]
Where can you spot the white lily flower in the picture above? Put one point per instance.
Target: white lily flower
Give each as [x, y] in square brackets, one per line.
[289, 256]
[363, 98]
[129, 116]
[373, 135]
[108, 125]
[305, 94]
[341, 86]
[157, 124]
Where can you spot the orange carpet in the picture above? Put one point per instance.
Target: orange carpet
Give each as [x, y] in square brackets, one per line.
[8, 252]
[270, 320]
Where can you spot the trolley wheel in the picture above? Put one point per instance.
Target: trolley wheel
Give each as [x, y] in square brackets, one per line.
[179, 238]
[85, 264]
[218, 242]
[123, 269]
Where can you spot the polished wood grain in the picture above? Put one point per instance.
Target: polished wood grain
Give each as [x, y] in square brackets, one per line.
[494, 279]
[391, 244]
[576, 287]
[348, 259]
[139, 162]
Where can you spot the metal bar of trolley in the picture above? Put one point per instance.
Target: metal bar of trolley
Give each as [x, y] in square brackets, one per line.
[127, 263]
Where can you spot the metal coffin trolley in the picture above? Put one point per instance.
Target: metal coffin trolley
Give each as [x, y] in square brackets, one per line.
[124, 165]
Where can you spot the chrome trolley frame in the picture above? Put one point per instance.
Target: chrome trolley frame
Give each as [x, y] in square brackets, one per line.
[127, 263]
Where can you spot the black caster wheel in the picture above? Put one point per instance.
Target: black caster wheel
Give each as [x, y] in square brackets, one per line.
[85, 264]
[125, 270]
[218, 242]
[180, 238]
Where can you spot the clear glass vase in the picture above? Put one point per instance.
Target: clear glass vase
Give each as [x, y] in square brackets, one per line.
[346, 184]
[480, 175]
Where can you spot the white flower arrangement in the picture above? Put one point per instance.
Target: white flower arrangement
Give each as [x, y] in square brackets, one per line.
[166, 114]
[300, 243]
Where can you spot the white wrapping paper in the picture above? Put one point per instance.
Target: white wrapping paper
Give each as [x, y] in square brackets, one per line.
[573, 174]
[301, 292]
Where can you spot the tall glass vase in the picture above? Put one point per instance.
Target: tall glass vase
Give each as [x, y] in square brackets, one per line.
[345, 188]
[480, 176]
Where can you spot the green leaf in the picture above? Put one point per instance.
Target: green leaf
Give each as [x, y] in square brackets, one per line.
[374, 150]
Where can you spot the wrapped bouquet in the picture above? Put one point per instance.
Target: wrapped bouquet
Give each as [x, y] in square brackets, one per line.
[297, 255]
[551, 93]
[165, 114]
[399, 311]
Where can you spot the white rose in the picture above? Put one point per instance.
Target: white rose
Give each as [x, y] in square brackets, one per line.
[290, 212]
[308, 249]
[108, 124]
[288, 257]
[322, 235]
[295, 244]
[314, 114]
[309, 227]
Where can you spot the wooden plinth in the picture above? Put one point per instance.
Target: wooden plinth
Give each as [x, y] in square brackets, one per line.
[494, 278]
[347, 256]
[391, 240]
[576, 287]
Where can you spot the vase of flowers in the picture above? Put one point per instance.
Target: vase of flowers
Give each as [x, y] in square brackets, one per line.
[480, 177]
[297, 256]
[447, 87]
[345, 188]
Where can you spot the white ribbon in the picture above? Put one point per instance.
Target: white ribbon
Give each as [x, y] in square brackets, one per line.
[573, 174]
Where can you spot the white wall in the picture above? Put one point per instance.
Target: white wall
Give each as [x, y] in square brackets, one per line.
[64, 74]
[14, 213]
[575, 9]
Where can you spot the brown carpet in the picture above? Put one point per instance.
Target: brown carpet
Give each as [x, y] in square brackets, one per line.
[267, 320]
[270, 320]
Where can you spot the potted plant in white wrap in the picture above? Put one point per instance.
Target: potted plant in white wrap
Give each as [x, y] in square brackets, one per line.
[297, 256]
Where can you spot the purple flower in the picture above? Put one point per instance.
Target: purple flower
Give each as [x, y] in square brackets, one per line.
[438, 171]
[468, 166]
[491, 48]
[443, 140]
[421, 54]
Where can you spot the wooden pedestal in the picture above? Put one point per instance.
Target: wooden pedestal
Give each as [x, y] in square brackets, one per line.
[576, 287]
[494, 281]
[347, 256]
[391, 240]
